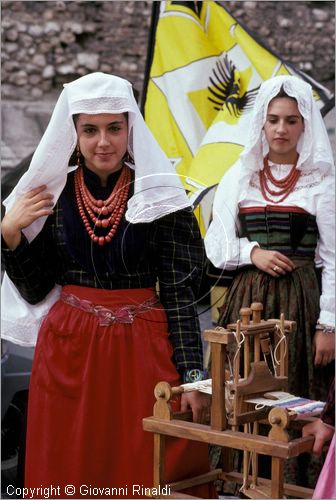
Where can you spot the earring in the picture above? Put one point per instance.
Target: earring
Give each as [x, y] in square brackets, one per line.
[78, 154]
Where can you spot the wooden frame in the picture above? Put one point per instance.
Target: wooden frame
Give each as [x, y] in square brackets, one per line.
[251, 378]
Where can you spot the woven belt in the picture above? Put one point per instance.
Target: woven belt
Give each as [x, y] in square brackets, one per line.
[107, 317]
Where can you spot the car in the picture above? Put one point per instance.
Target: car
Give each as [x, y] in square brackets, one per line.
[16, 364]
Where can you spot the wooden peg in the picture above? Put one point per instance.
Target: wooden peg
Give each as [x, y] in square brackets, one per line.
[163, 393]
[245, 315]
[279, 420]
[163, 390]
[257, 309]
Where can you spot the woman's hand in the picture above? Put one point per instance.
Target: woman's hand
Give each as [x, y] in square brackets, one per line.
[199, 404]
[321, 432]
[271, 262]
[27, 208]
[324, 348]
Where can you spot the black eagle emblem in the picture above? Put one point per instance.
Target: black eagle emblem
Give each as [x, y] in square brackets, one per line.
[225, 89]
[194, 6]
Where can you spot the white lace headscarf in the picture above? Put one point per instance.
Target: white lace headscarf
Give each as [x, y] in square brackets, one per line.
[313, 147]
[158, 190]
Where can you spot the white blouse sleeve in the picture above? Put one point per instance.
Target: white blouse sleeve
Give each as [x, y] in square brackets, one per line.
[224, 248]
[325, 218]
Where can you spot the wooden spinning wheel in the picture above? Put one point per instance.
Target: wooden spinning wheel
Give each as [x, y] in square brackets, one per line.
[254, 373]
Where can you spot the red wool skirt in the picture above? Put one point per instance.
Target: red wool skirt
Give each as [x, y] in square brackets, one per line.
[91, 386]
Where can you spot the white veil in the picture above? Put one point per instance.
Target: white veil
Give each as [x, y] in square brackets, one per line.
[313, 147]
[157, 191]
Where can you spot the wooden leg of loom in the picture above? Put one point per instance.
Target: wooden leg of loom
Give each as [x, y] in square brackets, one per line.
[246, 461]
[255, 457]
[218, 412]
[159, 456]
[277, 483]
[227, 462]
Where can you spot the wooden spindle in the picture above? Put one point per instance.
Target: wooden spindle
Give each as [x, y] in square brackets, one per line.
[257, 309]
[245, 315]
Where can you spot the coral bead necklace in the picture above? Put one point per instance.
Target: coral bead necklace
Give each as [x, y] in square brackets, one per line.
[112, 208]
[285, 185]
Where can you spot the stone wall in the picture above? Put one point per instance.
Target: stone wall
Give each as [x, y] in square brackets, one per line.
[303, 33]
[47, 43]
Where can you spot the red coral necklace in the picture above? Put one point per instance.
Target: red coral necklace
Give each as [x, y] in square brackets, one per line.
[112, 208]
[285, 185]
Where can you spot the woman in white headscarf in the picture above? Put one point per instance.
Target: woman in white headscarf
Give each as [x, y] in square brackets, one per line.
[91, 241]
[273, 219]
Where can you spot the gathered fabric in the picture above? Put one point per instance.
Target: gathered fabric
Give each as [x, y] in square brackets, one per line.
[91, 386]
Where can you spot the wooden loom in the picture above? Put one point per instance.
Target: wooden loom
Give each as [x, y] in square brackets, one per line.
[238, 428]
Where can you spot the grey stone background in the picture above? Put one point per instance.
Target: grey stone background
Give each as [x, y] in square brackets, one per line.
[48, 43]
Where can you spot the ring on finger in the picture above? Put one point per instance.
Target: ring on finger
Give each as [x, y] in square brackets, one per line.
[276, 269]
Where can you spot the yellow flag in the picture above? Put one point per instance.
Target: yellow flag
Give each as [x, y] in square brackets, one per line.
[204, 76]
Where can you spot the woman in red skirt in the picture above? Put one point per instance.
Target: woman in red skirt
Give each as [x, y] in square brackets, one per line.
[85, 246]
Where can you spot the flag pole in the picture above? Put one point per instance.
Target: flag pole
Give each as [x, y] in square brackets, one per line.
[150, 51]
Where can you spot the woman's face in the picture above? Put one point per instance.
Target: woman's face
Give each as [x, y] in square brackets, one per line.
[283, 128]
[102, 140]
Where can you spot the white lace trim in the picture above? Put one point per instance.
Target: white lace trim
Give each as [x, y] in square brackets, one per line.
[103, 104]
